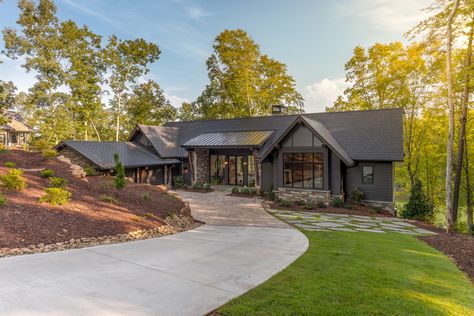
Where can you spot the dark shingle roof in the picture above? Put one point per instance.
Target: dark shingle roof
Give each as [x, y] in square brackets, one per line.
[102, 153]
[164, 140]
[229, 139]
[362, 135]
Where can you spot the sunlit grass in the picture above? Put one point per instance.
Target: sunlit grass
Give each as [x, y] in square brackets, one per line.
[362, 274]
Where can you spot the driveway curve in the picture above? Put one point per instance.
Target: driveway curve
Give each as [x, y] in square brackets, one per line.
[190, 273]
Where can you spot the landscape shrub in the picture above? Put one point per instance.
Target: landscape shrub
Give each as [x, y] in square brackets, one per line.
[2, 148]
[271, 194]
[10, 164]
[321, 204]
[308, 206]
[56, 196]
[47, 173]
[198, 185]
[14, 180]
[244, 190]
[90, 171]
[56, 182]
[120, 181]
[107, 198]
[3, 200]
[349, 206]
[285, 203]
[178, 181]
[206, 186]
[357, 195]
[299, 202]
[146, 196]
[337, 202]
[49, 153]
[418, 206]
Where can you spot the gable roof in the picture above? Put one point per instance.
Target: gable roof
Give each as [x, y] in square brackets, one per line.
[353, 135]
[229, 139]
[164, 140]
[15, 124]
[102, 153]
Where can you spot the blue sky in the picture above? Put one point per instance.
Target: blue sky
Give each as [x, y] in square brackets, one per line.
[313, 38]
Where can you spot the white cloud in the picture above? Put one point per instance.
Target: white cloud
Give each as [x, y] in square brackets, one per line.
[175, 100]
[322, 94]
[86, 9]
[196, 12]
[386, 15]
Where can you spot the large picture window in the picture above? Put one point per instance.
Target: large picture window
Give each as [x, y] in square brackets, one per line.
[367, 174]
[303, 170]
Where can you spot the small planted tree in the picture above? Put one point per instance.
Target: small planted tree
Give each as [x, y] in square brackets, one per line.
[418, 206]
[119, 181]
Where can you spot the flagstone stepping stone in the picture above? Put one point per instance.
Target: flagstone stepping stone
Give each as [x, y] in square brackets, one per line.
[360, 225]
[342, 229]
[405, 224]
[305, 226]
[391, 225]
[396, 229]
[370, 230]
[328, 224]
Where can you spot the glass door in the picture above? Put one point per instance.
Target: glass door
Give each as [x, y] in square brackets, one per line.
[240, 170]
[232, 170]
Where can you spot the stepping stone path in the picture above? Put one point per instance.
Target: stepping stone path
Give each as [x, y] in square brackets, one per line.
[348, 223]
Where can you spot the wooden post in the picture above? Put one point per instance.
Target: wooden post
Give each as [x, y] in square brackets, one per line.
[191, 165]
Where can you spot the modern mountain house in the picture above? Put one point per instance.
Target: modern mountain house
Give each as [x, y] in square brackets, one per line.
[15, 132]
[315, 156]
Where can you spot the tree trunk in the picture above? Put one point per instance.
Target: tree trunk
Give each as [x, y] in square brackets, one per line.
[95, 130]
[462, 121]
[449, 148]
[117, 123]
[468, 190]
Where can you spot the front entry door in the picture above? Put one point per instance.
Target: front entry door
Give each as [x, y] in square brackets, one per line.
[236, 170]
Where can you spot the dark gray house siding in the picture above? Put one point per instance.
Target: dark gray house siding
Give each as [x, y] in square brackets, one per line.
[335, 174]
[382, 187]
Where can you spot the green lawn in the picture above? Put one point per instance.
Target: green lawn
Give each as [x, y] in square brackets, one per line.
[360, 274]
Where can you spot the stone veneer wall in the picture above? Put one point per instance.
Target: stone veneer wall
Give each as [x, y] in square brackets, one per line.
[388, 206]
[201, 165]
[304, 194]
[76, 158]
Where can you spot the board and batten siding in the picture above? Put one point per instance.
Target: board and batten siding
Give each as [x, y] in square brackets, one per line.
[382, 187]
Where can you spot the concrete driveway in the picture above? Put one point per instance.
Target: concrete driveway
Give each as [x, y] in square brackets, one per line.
[190, 273]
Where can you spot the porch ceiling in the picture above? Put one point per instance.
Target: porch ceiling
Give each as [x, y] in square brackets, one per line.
[229, 139]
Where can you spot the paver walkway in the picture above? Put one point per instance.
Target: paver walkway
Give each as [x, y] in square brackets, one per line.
[190, 273]
[348, 223]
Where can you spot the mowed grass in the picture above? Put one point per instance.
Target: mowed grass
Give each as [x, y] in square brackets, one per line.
[345, 273]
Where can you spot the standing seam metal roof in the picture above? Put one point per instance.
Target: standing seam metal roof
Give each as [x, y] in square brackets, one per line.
[229, 139]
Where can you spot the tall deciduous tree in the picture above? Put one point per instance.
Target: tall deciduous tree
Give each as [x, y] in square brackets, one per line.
[126, 62]
[148, 105]
[243, 81]
[7, 99]
[450, 217]
[393, 76]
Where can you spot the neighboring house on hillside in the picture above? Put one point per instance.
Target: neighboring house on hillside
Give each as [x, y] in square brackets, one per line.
[315, 156]
[15, 133]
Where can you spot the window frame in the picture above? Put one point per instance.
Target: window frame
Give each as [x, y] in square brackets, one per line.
[362, 174]
[292, 162]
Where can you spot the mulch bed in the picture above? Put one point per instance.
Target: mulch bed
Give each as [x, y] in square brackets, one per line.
[190, 189]
[24, 221]
[244, 195]
[358, 210]
[460, 248]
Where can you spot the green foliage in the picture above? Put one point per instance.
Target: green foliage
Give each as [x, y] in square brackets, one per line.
[285, 203]
[308, 205]
[146, 196]
[3, 200]
[337, 202]
[107, 198]
[357, 195]
[243, 81]
[56, 196]
[119, 181]
[178, 181]
[14, 180]
[10, 164]
[90, 171]
[206, 186]
[321, 204]
[418, 206]
[244, 190]
[56, 182]
[47, 173]
[49, 153]
[198, 186]
[270, 194]
[7, 99]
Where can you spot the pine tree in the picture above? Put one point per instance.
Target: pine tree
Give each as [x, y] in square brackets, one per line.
[119, 181]
[418, 206]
